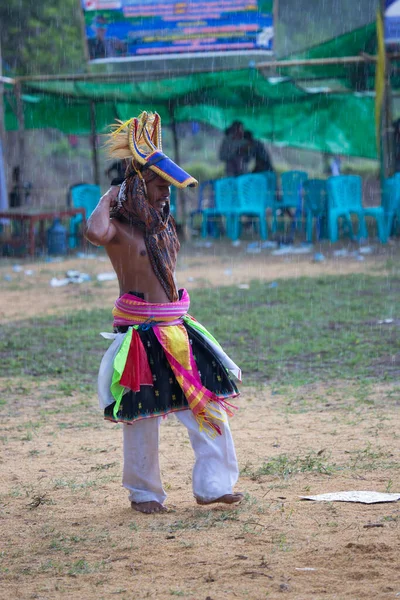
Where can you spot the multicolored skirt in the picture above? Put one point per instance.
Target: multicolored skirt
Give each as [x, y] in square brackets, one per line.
[166, 396]
[148, 381]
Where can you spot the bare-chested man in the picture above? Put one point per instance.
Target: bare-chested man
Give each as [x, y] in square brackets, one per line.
[161, 359]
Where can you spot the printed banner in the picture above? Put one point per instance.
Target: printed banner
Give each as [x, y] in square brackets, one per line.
[134, 28]
[392, 22]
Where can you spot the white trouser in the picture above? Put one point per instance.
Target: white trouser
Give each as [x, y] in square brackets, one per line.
[215, 471]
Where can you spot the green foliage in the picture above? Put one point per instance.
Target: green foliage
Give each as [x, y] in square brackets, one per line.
[63, 150]
[41, 37]
[203, 171]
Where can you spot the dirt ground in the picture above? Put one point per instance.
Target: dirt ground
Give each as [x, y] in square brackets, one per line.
[66, 527]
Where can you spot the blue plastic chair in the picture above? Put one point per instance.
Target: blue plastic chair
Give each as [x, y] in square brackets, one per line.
[345, 199]
[205, 199]
[172, 200]
[225, 197]
[251, 202]
[292, 190]
[83, 196]
[316, 207]
[391, 202]
[270, 196]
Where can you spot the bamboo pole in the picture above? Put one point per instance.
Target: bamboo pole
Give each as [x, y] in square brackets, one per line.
[181, 215]
[2, 124]
[93, 141]
[127, 76]
[3, 153]
[7, 80]
[310, 62]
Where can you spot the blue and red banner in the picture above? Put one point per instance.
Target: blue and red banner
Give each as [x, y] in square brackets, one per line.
[392, 22]
[133, 28]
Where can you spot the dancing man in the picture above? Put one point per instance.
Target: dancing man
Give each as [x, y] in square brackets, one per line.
[161, 360]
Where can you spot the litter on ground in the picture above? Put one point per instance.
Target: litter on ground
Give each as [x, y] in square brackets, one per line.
[365, 497]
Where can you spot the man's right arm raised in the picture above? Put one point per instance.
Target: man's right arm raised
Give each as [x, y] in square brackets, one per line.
[100, 230]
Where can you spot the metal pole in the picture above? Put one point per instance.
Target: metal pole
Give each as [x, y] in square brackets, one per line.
[21, 140]
[93, 141]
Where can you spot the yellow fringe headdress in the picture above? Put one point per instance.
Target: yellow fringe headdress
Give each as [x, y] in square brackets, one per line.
[139, 139]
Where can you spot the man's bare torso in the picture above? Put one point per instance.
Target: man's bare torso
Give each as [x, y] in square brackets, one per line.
[129, 257]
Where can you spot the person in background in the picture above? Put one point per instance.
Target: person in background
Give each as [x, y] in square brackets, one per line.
[102, 46]
[257, 151]
[20, 193]
[396, 136]
[332, 165]
[116, 172]
[336, 165]
[233, 150]
[15, 194]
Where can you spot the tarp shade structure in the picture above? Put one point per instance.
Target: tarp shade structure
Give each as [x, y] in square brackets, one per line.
[273, 109]
[352, 76]
[281, 110]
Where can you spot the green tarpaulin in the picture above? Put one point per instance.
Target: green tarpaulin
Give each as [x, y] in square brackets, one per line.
[353, 43]
[276, 109]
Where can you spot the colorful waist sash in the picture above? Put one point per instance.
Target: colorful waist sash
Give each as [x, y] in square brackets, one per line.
[131, 368]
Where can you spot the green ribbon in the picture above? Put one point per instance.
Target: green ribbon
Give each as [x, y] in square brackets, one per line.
[117, 390]
[196, 325]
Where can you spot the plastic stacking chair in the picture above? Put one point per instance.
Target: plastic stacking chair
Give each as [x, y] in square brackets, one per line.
[205, 199]
[172, 200]
[345, 199]
[251, 202]
[292, 190]
[225, 197]
[316, 206]
[270, 196]
[83, 196]
[391, 203]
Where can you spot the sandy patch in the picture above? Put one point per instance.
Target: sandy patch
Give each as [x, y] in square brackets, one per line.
[68, 531]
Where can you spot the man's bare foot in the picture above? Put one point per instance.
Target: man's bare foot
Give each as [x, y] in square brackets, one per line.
[227, 499]
[148, 507]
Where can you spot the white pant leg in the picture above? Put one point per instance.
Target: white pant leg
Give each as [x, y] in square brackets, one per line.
[141, 475]
[215, 471]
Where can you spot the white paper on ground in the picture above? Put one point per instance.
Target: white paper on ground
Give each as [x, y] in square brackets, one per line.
[106, 276]
[365, 497]
[59, 282]
[292, 250]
